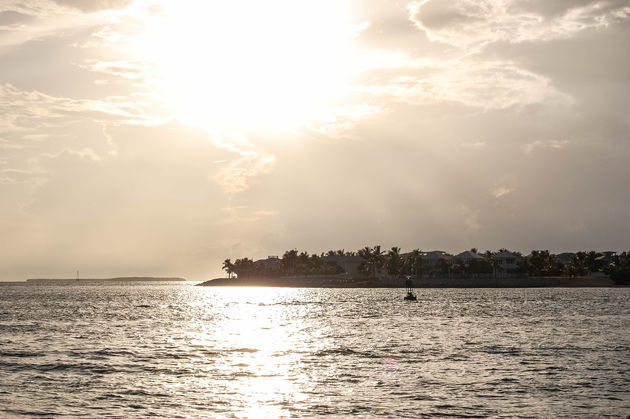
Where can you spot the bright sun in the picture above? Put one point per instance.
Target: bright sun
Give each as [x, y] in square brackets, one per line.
[248, 64]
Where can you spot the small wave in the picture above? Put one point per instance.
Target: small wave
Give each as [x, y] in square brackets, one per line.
[421, 398]
[346, 351]
[290, 303]
[111, 352]
[500, 349]
[242, 350]
[20, 354]
[456, 357]
[135, 392]
[79, 368]
[336, 351]
[30, 413]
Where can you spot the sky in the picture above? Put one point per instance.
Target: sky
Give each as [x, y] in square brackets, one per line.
[158, 137]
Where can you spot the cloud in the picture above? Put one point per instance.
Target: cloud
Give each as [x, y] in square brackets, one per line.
[475, 146]
[447, 102]
[558, 8]
[40, 168]
[17, 176]
[102, 38]
[126, 69]
[475, 23]
[7, 145]
[470, 218]
[36, 128]
[22, 110]
[13, 18]
[479, 84]
[86, 153]
[343, 119]
[243, 214]
[501, 191]
[238, 174]
[539, 144]
[94, 5]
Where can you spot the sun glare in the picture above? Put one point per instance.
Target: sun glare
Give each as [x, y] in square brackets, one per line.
[247, 64]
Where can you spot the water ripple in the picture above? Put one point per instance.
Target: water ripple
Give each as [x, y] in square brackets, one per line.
[181, 351]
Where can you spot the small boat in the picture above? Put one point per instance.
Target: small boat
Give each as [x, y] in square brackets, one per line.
[410, 295]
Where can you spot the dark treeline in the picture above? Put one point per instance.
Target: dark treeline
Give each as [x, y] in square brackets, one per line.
[374, 261]
[291, 263]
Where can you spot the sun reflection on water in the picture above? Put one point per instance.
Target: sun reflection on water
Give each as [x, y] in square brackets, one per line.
[260, 341]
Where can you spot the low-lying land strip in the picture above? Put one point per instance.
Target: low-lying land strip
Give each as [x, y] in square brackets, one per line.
[358, 282]
[117, 279]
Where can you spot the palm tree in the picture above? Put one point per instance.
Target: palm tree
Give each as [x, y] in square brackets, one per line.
[413, 263]
[243, 267]
[374, 260]
[394, 262]
[289, 261]
[542, 262]
[378, 259]
[592, 262]
[228, 267]
[366, 254]
[577, 265]
[492, 262]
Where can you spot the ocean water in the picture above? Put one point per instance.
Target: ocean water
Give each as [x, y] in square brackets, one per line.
[175, 350]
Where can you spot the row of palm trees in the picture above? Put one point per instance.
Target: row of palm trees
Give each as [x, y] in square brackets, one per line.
[291, 263]
[544, 263]
[393, 262]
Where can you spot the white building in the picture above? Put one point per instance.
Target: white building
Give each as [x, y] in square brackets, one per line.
[506, 261]
[468, 256]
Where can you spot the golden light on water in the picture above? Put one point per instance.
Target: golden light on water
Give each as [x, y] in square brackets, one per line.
[248, 64]
[265, 340]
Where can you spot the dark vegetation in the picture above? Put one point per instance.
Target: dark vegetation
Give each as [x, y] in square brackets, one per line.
[375, 261]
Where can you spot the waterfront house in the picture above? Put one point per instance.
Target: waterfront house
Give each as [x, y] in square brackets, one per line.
[467, 257]
[506, 261]
[269, 266]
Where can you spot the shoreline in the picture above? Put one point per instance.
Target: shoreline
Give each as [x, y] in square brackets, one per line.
[336, 282]
[116, 279]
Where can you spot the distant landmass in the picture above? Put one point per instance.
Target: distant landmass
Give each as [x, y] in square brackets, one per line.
[117, 279]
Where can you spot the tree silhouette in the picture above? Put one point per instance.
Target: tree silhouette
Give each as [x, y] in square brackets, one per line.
[228, 267]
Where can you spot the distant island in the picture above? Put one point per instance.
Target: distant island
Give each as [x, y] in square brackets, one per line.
[371, 267]
[117, 279]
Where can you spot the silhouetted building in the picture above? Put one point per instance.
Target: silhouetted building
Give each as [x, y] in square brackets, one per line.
[506, 261]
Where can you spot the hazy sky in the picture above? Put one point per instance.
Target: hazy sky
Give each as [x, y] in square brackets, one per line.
[161, 137]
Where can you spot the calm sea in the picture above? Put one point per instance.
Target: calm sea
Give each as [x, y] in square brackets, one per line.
[174, 350]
